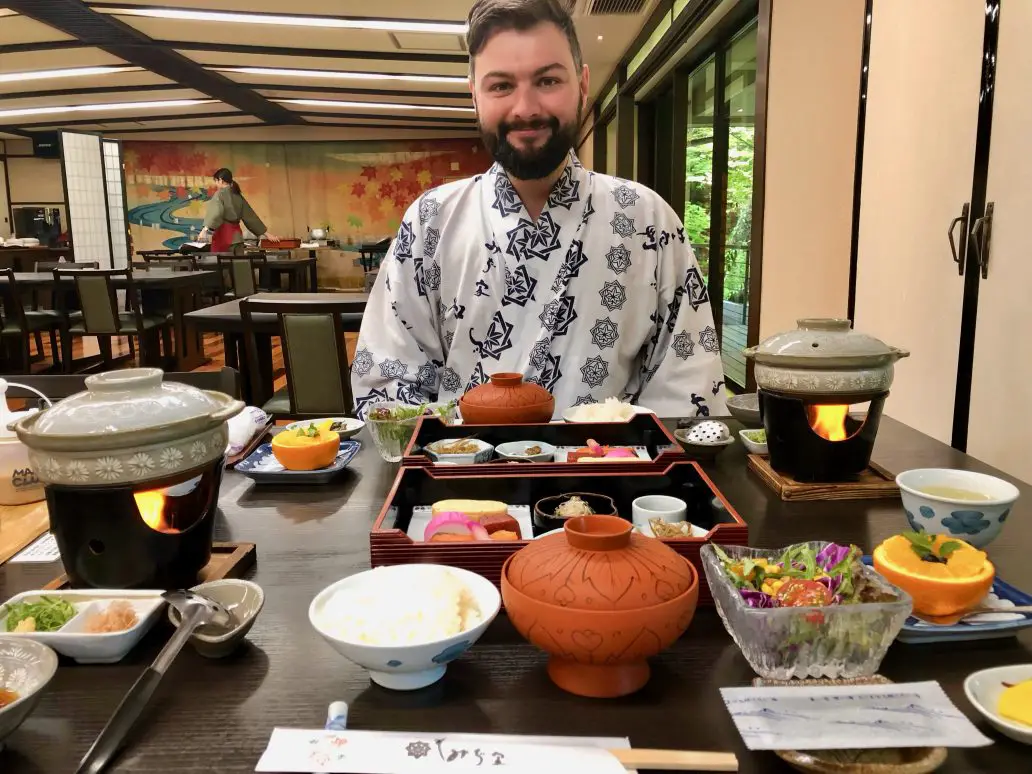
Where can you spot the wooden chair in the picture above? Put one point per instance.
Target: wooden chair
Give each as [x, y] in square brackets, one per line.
[241, 271]
[173, 263]
[18, 324]
[100, 316]
[314, 355]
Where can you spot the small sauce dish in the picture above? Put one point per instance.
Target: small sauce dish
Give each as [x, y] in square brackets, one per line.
[244, 601]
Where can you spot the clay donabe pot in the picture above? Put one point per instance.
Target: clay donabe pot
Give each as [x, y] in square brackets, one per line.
[131, 470]
[507, 400]
[600, 600]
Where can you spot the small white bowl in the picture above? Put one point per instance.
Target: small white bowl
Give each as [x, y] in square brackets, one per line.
[977, 522]
[516, 450]
[25, 668]
[753, 446]
[408, 667]
[70, 640]
[484, 453]
[345, 427]
[983, 690]
[662, 507]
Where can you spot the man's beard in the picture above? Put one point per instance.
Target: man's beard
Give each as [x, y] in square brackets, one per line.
[532, 163]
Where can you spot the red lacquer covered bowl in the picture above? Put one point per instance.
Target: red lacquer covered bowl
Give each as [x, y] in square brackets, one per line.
[507, 400]
[600, 600]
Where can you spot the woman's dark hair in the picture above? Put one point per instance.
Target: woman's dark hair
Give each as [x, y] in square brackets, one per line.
[487, 17]
[226, 176]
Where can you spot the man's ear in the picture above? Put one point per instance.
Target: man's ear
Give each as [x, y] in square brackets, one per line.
[585, 81]
[471, 82]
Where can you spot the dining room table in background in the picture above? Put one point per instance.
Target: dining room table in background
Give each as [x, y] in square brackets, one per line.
[217, 715]
[225, 318]
[174, 292]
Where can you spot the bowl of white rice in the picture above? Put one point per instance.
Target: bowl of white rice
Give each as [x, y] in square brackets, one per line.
[609, 410]
[407, 622]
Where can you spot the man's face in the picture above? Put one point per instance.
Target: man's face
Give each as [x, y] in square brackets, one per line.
[529, 98]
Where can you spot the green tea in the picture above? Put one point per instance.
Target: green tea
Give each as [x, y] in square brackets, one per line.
[954, 493]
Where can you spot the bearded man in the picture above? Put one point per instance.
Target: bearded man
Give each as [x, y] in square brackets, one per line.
[582, 282]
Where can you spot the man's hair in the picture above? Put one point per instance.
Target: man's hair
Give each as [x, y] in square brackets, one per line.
[487, 17]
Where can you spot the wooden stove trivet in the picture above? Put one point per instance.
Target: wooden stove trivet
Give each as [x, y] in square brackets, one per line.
[228, 560]
[20, 525]
[873, 484]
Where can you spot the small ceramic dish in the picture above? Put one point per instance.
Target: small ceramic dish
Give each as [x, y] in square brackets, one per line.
[749, 439]
[244, 601]
[406, 667]
[983, 690]
[25, 669]
[263, 467]
[71, 640]
[345, 427]
[517, 451]
[933, 502]
[746, 409]
[484, 453]
[701, 451]
[544, 509]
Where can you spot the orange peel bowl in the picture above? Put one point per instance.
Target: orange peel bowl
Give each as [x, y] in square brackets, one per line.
[302, 452]
[937, 589]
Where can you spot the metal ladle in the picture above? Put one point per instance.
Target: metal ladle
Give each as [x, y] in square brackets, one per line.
[195, 610]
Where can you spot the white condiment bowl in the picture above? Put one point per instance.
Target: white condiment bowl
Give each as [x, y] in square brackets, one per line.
[517, 450]
[407, 667]
[983, 690]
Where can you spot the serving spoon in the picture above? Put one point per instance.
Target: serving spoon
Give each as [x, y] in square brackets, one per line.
[195, 610]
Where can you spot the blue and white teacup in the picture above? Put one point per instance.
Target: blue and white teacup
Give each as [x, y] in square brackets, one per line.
[960, 503]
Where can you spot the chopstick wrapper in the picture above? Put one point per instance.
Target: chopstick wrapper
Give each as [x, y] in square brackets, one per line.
[377, 752]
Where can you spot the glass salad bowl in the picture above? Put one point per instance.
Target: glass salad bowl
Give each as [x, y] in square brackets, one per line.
[391, 424]
[837, 641]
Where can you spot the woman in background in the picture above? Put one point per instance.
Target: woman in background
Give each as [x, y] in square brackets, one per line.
[225, 210]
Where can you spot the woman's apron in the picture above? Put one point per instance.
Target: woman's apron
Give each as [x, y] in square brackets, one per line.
[223, 238]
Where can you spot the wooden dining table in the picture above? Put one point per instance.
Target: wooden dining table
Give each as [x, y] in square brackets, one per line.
[177, 292]
[217, 715]
[225, 318]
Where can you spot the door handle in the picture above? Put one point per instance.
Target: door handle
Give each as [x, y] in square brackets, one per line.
[958, 258]
[981, 239]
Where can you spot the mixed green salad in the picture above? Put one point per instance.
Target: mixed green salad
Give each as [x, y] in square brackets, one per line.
[803, 577]
[394, 422]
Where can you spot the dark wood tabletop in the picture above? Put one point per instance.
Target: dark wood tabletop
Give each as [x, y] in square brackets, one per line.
[225, 317]
[216, 716]
[157, 278]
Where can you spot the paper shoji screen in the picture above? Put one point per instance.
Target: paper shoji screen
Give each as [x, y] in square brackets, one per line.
[116, 204]
[87, 199]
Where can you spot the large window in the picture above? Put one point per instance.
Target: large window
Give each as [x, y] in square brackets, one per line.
[718, 186]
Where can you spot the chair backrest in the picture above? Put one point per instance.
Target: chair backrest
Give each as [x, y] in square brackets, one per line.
[173, 263]
[241, 272]
[13, 310]
[60, 386]
[98, 300]
[314, 353]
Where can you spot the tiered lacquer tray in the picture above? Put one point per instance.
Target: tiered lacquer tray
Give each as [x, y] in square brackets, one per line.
[521, 486]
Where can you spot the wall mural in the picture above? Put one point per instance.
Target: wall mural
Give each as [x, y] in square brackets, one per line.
[359, 190]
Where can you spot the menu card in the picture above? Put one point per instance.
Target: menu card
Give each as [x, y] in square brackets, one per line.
[849, 717]
[382, 752]
[41, 551]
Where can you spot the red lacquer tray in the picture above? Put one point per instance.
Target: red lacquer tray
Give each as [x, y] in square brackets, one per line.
[643, 430]
[525, 485]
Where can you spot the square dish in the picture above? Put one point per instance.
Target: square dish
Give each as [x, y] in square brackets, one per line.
[72, 641]
[484, 453]
[263, 468]
[836, 641]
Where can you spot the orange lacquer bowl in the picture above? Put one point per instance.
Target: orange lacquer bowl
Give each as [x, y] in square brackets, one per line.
[600, 600]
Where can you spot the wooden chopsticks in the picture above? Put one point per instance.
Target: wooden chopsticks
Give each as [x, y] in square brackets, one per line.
[676, 760]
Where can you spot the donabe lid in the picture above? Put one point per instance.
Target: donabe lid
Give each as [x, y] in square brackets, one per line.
[127, 407]
[825, 343]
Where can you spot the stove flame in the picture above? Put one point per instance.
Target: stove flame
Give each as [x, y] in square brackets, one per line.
[829, 422]
[151, 505]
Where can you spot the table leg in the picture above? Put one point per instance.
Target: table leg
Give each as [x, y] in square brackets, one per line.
[313, 276]
[189, 346]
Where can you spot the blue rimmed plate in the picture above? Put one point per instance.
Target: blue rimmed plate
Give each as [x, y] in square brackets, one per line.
[986, 626]
[263, 468]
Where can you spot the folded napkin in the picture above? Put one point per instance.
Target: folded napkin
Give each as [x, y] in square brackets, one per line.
[244, 427]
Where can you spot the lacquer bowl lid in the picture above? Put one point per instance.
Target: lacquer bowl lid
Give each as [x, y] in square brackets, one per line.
[599, 563]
